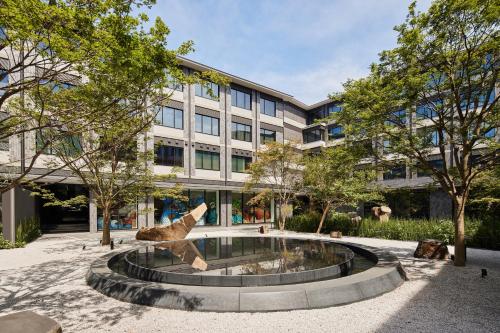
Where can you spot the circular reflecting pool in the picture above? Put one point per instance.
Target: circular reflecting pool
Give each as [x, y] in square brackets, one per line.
[242, 261]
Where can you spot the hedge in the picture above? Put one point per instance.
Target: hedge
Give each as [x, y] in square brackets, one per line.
[482, 234]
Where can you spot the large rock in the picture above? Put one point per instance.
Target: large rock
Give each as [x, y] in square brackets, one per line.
[431, 249]
[28, 322]
[175, 231]
[382, 213]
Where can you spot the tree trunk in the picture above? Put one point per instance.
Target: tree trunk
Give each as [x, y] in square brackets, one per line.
[106, 234]
[458, 220]
[323, 218]
[281, 222]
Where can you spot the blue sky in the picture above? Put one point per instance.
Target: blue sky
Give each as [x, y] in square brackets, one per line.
[303, 48]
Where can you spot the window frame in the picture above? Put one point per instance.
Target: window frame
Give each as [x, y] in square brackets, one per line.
[263, 136]
[246, 132]
[235, 99]
[204, 154]
[199, 120]
[247, 160]
[264, 110]
[175, 111]
[177, 160]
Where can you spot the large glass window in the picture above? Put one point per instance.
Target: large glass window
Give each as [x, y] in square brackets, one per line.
[174, 84]
[206, 124]
[168, 210]
[313, 135]
[397, 172]
[335, 132]
[204, 90]
[241, 99]
[121, 219]
[397, 118]
[240, 163]
[207, 160]
[241, 132]
[242, 212]
[422, 172]
[428, 111]
[4, 80]
[268, 107]
[169, 117]
[169, 155]
[69, 144]
[333, 109]
[267, 136]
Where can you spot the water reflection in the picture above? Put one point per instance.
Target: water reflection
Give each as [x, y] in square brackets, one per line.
[241, 256]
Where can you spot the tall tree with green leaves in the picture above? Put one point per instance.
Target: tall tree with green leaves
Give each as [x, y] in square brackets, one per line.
[42, 44]
[334, 178]
[277, 171]
[434, 96]
[120, 97]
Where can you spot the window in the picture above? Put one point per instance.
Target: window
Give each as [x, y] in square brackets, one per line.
[122, 218]
[313, 135]
[267, 136]
[268, 107]
[422, 172]
[207, 160]
[397, 172]
[490, 133]
[240, 163]
[204, 90]
[69, 144]
[241, 99]
[335, 132]
[333, 109]
[242, 212]
[169, 117]
[428, 111]
[206, 124]
[397, 118]
[168, 210]
[169, 156]
[241, 132]
[386, 146]
[173, 83]
[4, 80]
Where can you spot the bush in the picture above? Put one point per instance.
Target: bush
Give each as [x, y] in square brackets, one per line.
[27, 230]
[485, 234]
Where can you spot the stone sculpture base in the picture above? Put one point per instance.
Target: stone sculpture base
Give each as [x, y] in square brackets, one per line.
[431, 249]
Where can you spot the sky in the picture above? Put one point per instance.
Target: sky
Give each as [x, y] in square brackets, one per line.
[303, 48]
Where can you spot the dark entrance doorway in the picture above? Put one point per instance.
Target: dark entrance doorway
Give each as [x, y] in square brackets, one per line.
[64, 219]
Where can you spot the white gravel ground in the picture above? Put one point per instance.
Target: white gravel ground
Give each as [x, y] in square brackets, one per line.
[48, 277]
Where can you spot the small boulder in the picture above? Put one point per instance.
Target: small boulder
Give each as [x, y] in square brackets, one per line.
[431, 249]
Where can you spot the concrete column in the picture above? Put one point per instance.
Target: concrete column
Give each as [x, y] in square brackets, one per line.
[92, 212]
[191, 131]
[225, 208]
[8, 215]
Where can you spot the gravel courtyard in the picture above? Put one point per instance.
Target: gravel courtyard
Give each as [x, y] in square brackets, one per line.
[48, 277]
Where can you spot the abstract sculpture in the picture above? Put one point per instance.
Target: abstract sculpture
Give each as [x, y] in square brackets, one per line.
[176, 231]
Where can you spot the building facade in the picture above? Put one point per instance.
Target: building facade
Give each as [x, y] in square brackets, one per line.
[207, 140]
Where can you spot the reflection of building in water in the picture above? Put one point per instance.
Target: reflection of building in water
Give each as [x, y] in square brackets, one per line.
[243, 256]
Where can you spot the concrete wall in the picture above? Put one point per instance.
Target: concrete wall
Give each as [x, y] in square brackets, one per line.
[17, 205]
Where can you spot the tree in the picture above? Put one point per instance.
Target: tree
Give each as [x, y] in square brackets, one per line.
[43, 44]
[434, 95]
[120, 96]
[333, 178]
[277, 168]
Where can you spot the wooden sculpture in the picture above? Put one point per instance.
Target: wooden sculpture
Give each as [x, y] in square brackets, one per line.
[176, 231]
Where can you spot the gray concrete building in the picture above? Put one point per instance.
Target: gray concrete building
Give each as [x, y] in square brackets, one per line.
[208, 142]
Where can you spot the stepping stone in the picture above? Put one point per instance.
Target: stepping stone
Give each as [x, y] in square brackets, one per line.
[28, 322]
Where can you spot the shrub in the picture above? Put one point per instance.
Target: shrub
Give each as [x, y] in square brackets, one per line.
[27, 230]
[485, 234]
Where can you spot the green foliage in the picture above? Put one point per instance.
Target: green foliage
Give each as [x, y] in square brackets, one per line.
[276, 168]
[27, 230]
[483, 234]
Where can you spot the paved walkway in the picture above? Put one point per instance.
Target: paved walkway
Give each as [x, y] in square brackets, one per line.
[48, 277]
